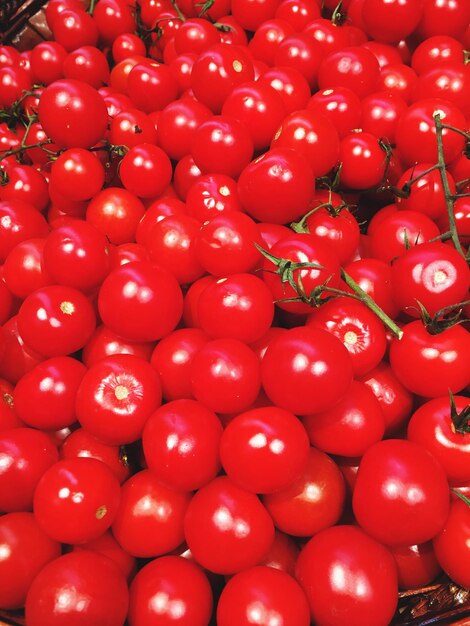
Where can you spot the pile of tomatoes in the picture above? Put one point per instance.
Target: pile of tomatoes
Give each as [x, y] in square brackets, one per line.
[234, 341]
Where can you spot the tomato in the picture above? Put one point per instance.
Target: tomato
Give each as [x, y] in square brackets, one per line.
[362, 160]
[149, 521]
[56, 596]
[177, 125]
[395, 399]
[181, 444]
[351, 426]
[113, 18]
[116, 397]
[302, 52]
[80, 443]
[73, 114]
[125, 45]
[443, 18]
[252, 13]
[26, 549]
[217, 70]
[260, 591]
[417, 565]
[88, 64]
[290, 84]
[225, 375]
[239, 306]
[18, 358]
[431, 274]
[264, 450]
[24, 268]
[77, 174]
[348, 578]
[76, 500]
[353, 67]
[145, 170]
[225, 244]
[183, 594]
[429, 365]
[426, 194]
[227, 528]
[26, 184]
[397, 78]
[401, 496]
[19, 221]
[45, 396]
[434, 51]
[26, 454]
[151, 86]
[314, 367]
[360, 330]
[75, 28]
[311, 502]
[450, 82]
[265, 41]
[451, 545]
[391, 21]
[222, 145]
[416, 131]
[132, 127]
[435, 427]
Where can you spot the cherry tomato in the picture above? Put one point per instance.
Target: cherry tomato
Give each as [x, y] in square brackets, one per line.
[57, 594]
[401, 496]
[417, 565]
[116, 213]
[451, 545]
[145, 170]
[348, 578]
[262, 591]
[183, 594]
[227, 528]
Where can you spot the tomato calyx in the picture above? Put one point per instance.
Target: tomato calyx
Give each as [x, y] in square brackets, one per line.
[459, 420]
[339, 17]
[334, 211]
[443, 319]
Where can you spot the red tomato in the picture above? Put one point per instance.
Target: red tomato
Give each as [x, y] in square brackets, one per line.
[149, 521]
[417, 565]
[116, 397]
[311, 502]
[181, 444]
[77, 174]
[348, 578]
[227, 528]
[401, 496]
[314, 367]
[262, 591]
[70, 578]
[451, 544]
[26, 549]
[76, 500]
[182, 591]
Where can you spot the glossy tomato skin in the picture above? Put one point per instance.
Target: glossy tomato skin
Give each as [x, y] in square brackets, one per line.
[227, 528]
[179, 583]
[293, 509]
[351, 426]
[172, 357]
[27, 453]
[451, 544]
[368, 594]
[116, 397]
[181, 443]
[417, 565]
[56, 320]
[239, 306]
[277, 186]
[19, 221]
[76, 500]
[225, 375]
[266, 590]
[27, 550]
[401, 496]
[357, 327]
[80, 443]
[77, 174]
[395, 400]
[264, 450]
[145, 170]
[149, 521]
[45, 396]
[431, 426]
[430, 365]
[140, 301]
[104, 342]
[73, 114]
[56, 595]
[116, 213]
[314, 367]
[24, 269]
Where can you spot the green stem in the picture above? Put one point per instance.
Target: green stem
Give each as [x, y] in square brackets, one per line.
[445, 184]
[372, 305]
[23, 148]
